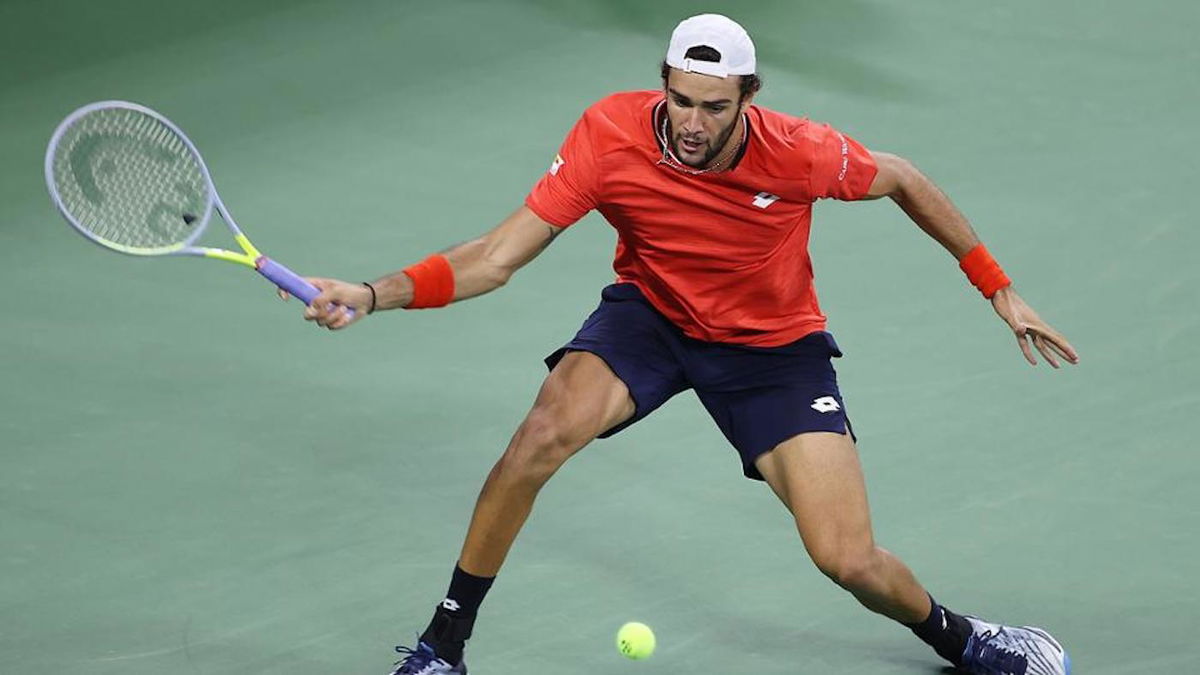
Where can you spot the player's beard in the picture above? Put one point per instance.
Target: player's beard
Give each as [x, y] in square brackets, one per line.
[714, 149]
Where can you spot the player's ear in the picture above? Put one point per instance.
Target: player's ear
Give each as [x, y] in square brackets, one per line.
[746, 100]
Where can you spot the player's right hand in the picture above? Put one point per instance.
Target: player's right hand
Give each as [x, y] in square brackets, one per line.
[330, 308]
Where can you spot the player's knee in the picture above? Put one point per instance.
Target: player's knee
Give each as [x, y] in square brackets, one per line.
[541, 445]
[848, 568]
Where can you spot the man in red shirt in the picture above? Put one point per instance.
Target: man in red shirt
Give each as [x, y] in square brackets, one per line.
[712, 199]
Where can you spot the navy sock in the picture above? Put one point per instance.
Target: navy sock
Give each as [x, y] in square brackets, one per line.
[945, 631]
[454, 617]
[466, 592]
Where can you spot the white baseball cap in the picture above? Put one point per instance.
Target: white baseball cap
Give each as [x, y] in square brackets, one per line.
[722, 34]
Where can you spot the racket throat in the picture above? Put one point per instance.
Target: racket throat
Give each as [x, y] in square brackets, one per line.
[249, 249]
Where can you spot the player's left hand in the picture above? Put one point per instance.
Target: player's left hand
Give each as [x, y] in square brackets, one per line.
[1029, 328]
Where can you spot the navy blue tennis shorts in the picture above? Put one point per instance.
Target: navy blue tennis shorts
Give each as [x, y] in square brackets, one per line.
[758, 396]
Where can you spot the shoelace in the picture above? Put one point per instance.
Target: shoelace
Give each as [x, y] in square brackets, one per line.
[984, 650]
[415, 659]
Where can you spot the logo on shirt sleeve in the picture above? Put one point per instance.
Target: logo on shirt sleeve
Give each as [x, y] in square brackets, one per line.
[845, 158]
[556, 165]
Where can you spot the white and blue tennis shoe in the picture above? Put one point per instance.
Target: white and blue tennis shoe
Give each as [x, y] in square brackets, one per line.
[993, 649]
[424, 661]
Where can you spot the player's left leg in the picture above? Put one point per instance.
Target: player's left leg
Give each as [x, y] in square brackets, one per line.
[819, 478]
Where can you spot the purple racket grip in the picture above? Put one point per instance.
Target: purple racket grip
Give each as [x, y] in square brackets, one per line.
[289, 281]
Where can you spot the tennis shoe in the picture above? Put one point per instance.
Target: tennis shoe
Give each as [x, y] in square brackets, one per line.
[424, 661]
[993, 649]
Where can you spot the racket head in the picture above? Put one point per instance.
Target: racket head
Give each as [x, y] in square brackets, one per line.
[129, 180]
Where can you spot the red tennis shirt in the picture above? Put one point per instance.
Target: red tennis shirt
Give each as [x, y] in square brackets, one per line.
[722, 255]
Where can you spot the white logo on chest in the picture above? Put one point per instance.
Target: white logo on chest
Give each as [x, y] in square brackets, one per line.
[764, 199]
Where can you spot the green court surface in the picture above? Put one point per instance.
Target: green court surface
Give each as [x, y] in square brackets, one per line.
[194, 481]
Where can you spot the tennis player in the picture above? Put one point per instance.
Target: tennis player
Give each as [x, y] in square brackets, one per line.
[711, 197]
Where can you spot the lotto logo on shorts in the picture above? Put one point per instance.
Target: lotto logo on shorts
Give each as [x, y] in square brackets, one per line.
[825, 404]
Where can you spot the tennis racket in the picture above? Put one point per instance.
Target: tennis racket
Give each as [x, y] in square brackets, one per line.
[129, 180]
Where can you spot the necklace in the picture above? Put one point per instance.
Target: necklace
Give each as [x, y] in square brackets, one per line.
[672, 161]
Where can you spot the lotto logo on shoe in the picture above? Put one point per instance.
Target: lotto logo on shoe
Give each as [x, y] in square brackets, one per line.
[825, 404]
[451, 605]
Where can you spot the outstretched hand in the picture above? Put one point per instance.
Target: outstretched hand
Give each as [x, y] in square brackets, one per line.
[1030, 328]
[329, 309]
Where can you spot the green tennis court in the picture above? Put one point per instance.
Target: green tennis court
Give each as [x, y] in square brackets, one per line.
[194, 481]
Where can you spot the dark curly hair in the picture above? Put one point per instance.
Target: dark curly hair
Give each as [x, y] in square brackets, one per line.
[747, 86]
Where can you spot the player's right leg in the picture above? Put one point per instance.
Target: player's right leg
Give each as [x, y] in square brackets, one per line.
[580, 399]
[621, 365]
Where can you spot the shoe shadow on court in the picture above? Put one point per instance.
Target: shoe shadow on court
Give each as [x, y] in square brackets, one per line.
[827, 652]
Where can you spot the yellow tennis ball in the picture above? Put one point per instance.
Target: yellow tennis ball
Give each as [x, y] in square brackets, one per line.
[635, 641]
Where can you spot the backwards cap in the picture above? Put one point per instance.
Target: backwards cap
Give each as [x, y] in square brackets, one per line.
[718, 32]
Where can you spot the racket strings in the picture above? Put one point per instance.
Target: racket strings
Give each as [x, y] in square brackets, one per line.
[130, 180]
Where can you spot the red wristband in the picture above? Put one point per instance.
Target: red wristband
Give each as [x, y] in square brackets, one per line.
[433, 282]
[983, 271]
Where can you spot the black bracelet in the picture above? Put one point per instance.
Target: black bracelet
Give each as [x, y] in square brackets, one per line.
[372, 309]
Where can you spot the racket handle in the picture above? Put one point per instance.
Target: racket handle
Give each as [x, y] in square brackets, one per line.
[288, 280]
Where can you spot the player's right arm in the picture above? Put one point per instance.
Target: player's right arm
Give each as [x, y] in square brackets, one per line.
[480, 265]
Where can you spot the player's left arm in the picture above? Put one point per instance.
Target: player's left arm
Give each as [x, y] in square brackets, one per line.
[937, 216]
